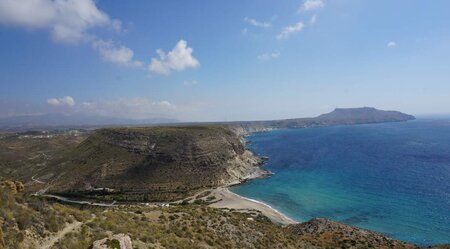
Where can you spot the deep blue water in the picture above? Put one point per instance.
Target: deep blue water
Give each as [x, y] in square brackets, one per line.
[392, 178]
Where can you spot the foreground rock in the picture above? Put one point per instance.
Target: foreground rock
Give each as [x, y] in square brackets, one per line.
[117, 241]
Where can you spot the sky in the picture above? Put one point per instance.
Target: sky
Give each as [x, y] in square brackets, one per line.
[210, 60]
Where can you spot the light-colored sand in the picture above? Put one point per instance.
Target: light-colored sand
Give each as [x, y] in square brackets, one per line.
[230, 200]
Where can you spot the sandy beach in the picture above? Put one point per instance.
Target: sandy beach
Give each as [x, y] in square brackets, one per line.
[229, 199]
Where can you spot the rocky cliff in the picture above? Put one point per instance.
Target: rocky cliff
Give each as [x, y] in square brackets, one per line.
[154, 163]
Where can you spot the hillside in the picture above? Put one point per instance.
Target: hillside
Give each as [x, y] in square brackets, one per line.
[145, 164]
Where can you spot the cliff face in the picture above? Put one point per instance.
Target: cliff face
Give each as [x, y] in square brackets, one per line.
[155, 163]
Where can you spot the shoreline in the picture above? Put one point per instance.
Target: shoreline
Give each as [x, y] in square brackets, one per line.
[230, 200]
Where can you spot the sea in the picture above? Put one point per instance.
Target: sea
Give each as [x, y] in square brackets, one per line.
[392, 178]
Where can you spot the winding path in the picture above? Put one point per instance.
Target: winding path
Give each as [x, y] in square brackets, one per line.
[49, 242]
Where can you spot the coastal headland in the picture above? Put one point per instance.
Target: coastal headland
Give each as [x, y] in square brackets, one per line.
[185, 168]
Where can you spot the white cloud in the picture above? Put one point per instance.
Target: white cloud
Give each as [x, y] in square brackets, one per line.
[244, 31]
[179, 59]
[136, 108]
[67, 20]
[190, 82]
[391, 44]
[116, 54]
[313, 20]
[64, 101]
[312, 5]
[256, 23]
[289, 30]
[268, 56]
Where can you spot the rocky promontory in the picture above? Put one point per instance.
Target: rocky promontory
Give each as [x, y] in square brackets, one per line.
[324, 233]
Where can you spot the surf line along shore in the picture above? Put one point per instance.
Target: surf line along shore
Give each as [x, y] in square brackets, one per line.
[228, 199]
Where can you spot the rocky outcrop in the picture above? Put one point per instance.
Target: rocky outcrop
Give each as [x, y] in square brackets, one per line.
[117, 241]
[325, 233]
[243, 167]
[14, 186]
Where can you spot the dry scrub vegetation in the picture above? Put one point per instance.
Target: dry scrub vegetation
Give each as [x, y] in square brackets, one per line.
[30, 222]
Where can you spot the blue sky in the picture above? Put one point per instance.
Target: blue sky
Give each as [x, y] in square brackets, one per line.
[223, 60]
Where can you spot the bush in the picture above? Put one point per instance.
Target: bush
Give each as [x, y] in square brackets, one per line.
[23, 218]
[52, 223]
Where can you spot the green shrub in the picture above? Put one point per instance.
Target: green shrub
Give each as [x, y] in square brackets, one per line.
[114, 244]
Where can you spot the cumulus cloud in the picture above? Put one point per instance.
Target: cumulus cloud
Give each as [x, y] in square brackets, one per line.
[268, 56]
[179, 59]
[67, 20]
[116, 53]
[136, 108]
[256, 23]
[312, 5]
[289, 30]
[64, 101]
[391, 44]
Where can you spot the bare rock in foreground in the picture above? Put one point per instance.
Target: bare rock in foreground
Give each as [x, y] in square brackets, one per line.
[117, 241]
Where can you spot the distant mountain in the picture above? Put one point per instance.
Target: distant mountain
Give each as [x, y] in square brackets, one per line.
[363, 115]
[340, 116]
[58, 120]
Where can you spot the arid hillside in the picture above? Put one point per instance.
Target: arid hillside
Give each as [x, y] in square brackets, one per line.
[145, 164]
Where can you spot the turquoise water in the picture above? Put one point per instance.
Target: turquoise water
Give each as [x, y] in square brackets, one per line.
[393, 178]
